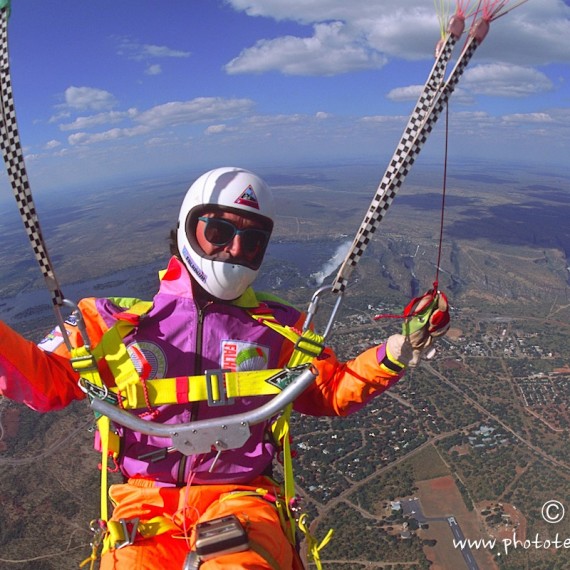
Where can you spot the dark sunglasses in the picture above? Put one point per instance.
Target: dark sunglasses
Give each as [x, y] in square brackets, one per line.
[220, 232]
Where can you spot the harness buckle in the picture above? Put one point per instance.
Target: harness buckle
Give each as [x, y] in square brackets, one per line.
[82, 363]
[215, 379]
[313, 349]
[129, 537]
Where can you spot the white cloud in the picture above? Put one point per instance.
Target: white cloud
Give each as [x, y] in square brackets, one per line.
[158, 141]
[385, 119]
[528, 118]
[505, 80]
[88, 98]
[409, 93]
[412, 92]
[112, 134]
[265, 121]
[137, 51]
[154, 69]
[331, 50]
[534, 33]
[319, 10]
[495, 79]
[218, 129]
[194, 111]
[99, 119]
[321, 115]
[52, 144]
[167, 115]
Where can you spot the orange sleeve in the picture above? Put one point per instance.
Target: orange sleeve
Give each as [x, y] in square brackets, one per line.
[41, 376]
[342, 388]
[42, 380]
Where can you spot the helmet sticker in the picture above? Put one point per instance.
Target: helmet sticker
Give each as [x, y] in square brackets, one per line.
[248, 198]
[239, 356]
[192, 265]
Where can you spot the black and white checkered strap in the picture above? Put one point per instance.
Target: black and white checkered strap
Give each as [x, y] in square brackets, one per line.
[16, 168]
[432, 101]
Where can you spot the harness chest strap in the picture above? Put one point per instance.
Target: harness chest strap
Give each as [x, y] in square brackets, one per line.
[134, 392]
[216, 387]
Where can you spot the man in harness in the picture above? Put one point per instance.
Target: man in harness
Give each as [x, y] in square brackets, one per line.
[219, 509]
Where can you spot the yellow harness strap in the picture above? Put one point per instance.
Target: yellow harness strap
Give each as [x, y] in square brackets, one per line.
[308, 344]
[281, 432]
[113, 350]
[184, 389]
[313, 546]
[117, 530]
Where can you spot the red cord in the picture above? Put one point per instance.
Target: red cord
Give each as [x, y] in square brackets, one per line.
[443, 195]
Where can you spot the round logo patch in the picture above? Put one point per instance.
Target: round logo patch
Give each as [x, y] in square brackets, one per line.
[145, 354]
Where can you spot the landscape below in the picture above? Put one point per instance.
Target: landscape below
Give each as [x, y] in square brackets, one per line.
[478, 434]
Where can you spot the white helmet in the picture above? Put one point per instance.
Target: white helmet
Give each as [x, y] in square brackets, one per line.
[227, 190]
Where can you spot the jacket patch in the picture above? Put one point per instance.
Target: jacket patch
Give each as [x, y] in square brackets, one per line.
[239, 356]
[52, 341]
[145, 354]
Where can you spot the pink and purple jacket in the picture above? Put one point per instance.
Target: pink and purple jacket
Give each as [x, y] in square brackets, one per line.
[177, 337]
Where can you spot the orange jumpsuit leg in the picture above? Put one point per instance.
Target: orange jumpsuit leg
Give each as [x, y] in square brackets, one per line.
[186, 507]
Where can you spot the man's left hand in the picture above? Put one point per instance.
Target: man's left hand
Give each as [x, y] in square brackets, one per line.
[427, 319]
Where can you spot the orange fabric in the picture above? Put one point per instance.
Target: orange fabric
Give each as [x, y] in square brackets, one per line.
[27, 374]
[45, 381]
[186, 507]
[343, 388]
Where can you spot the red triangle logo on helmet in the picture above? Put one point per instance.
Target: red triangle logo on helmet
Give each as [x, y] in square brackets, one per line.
[248, 198]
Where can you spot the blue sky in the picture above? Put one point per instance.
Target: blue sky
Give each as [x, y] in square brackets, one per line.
[111, 90]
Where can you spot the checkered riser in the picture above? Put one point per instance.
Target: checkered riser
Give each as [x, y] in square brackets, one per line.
[431, 103]
[16, 168]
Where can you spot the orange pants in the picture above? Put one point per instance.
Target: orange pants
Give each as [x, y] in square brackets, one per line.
[185, 507]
